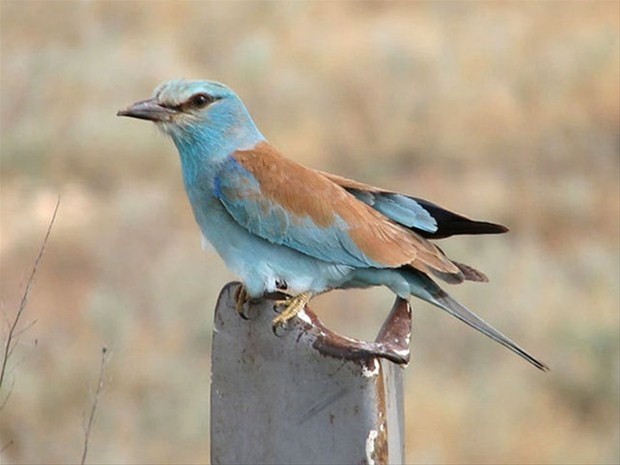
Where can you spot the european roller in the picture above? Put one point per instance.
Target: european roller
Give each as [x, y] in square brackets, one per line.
[281, 226]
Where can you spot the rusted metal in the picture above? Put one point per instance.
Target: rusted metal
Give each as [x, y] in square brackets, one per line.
[392, 343]
[309, 395]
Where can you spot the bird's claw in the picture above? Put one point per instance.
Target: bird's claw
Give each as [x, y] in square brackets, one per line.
[293, 305]
[279, 328]
[241, 299]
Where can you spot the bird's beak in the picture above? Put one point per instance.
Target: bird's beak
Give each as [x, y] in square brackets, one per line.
[148, 109]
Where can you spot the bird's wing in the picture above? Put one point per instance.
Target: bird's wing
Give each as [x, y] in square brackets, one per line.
[424, 217]
[289, 204]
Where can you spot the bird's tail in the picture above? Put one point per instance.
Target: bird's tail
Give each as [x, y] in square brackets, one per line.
[425, 288]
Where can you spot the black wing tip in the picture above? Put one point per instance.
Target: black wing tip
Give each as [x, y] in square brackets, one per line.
[484, 227]
[452, 224]
[501, 229]
[463, 227]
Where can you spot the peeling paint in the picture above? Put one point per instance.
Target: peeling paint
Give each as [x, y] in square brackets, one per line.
[303, 316]
[371, 373]
[403, 353]
[370, 446]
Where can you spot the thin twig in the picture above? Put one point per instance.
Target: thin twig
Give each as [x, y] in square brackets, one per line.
[93, 410]
[8, 394]
[11, 338]
[24, 329]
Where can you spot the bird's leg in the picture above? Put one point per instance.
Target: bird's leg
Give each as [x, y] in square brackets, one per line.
[294, 305]
[241, 298]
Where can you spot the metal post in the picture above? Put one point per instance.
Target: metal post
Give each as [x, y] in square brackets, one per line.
[307, 396]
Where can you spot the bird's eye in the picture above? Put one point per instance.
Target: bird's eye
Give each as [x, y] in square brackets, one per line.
[201, 100]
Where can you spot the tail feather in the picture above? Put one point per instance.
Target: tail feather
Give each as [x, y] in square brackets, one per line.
[466, 273]
[461, 312]
[425, 288]
[470, 273]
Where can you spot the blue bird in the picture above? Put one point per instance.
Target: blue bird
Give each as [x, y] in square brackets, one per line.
[281, 226]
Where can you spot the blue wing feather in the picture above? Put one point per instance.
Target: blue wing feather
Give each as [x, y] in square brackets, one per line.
[400, 208]
[240, 193]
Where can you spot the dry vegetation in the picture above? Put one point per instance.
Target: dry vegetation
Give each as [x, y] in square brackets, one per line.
[505, 111]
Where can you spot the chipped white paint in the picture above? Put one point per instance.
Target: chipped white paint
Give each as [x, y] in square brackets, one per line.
[303, 316]
[373, 434]
[350, 339]
[402, 353]
[370, 373]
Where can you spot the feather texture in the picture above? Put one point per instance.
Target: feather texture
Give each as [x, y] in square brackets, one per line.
[287, 203]
[424, 217]
[274, 221]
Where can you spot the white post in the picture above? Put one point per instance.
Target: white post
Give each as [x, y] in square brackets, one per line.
[307, 396]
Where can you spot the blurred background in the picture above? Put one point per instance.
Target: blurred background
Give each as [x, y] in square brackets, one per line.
[502, 111]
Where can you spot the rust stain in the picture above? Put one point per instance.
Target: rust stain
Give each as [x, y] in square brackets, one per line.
[381, 452]
[392, 343]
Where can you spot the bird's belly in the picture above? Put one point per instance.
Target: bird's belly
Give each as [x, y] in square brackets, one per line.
[262, 265]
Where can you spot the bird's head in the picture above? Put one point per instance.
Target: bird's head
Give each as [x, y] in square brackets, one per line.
[198, 115]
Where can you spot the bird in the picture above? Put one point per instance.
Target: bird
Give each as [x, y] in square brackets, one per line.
[284, 227]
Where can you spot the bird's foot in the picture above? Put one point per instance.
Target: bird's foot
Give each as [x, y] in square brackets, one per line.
[293, 305]
[241, 298]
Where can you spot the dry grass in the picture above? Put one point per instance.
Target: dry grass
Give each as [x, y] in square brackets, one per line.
[506, 111]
